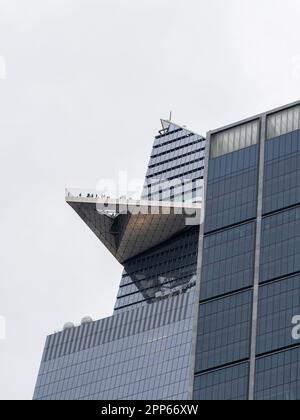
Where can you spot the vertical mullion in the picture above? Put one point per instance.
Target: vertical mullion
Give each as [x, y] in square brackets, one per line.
[263, 130]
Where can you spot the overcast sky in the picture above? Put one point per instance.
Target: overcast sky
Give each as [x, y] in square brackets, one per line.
[83, 84]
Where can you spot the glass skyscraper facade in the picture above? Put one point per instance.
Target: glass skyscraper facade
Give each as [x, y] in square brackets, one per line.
[175, 173]
[249, 283]
[144, 350]
[206, 311]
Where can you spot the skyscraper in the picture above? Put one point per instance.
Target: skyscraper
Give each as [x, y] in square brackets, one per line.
[144, 350]
[250, 242]
[206, 304]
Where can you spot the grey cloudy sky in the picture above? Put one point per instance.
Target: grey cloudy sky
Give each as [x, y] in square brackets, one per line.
[86, 83]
